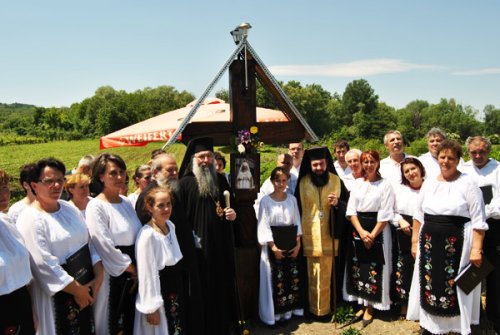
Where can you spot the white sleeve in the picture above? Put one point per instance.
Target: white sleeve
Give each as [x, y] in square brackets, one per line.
[475, 201]
[352, 204]
[386, 211]
[296, 215]
[419, 212]
[264, 233]
[149, 297]
[49, 274]
[114, 261]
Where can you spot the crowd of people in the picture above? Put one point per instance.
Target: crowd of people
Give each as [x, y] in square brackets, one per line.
[374, 233]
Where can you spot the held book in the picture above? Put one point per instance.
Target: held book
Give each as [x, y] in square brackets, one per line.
[79, 265]
[472, 275]
[285, 237]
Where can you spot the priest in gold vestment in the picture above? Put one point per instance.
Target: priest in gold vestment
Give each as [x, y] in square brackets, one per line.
[320, 194]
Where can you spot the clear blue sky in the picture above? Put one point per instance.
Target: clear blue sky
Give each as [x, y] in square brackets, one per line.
[54, 53]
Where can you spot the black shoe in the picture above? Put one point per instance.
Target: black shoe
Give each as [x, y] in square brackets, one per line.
[354, 319]
[367, 322]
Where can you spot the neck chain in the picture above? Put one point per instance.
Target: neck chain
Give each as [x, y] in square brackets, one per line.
[164, 230]
[321, 212]
[218, 209]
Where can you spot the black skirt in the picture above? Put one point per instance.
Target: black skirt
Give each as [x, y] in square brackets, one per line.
[364, 266]
[174, 301]
[441, 243]
[403, 266]
[16, 316]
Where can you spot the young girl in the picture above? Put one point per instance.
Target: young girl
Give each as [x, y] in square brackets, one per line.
[156, 250]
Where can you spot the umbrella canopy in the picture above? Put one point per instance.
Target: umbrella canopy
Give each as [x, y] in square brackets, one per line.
[161, 127]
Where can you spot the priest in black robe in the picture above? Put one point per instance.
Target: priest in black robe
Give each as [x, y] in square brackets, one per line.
[201, 191]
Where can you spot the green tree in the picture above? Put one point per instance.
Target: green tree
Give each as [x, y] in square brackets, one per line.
[491, 120]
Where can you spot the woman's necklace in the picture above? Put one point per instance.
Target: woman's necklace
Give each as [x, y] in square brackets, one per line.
[164, 230]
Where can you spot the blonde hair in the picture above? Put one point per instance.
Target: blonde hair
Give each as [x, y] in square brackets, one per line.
[76, 178]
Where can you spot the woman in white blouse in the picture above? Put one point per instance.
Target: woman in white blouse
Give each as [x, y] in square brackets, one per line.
[113, 227]
[279, 294]
[448, 232]
[157, 249]
[54, 233]
[77, 186]
[15, 273]
[141, 178]
[369, 260]
[412, 178]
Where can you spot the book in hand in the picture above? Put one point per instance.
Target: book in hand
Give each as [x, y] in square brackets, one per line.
[285, 237]
[472, 275]
[79, 265]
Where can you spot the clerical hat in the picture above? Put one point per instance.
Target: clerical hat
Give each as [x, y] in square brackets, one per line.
[194, 146]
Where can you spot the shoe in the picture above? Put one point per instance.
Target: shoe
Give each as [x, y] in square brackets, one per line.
[367, 322]
[354, 319]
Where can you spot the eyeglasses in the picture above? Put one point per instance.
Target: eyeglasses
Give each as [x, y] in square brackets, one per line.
[52, 182]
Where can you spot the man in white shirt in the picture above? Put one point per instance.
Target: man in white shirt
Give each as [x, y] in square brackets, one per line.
[429, 160]
[390, 167]
[296, 150]
[486, 173]
[340, 148]
[353, 159]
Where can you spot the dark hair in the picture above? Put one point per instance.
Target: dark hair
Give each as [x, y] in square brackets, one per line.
[375, 155]
[341, 144]
[411, 160]
[100, 167]
[454, 146]
[24, 175]
[34, 173]
[149, 198]
[220, 157]
[139, 172]
[277, 171]
[157, 152]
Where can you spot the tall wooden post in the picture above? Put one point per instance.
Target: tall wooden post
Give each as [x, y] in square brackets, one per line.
[243, 113]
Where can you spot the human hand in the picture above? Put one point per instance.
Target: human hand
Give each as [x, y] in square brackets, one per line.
[294, 252]
[230, 214]
[476, 257]
[82, 295]
[333, 199]
[153, 318]
[414, 248]
[278, 253]
[405, 227]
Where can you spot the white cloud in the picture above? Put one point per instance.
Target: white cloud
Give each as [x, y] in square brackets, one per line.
[478, 72]
[362, 68]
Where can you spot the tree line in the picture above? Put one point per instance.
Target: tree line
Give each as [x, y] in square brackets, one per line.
[356, 113]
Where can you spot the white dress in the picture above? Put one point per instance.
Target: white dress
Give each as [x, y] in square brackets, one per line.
[273, 213]
[154, 251]
[16, 209]
[377, 197]
[268, 188]
[110, 225]
[51, 238]
[405, 202]
[133, 198]
[391, 170]
[431, 165]
[460, 198]
[14, 258]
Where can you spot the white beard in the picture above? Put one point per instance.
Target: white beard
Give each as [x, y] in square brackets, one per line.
[206, 177]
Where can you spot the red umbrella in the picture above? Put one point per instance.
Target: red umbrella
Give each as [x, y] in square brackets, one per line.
[161, 127]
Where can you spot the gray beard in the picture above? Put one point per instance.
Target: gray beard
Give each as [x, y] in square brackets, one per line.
[172, 183]
[206, 177]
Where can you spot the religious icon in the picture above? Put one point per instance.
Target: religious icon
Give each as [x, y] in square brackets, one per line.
[244, 175]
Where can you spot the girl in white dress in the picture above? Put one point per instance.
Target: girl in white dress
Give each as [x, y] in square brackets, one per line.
[412, 174]
[156, 249]
[369, 261]
[279, 293]
[54, 231]
[15, 273]
[113, 227]
[449, 225]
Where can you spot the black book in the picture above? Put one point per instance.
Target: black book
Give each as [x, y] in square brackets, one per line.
[79, 265]
[285, 237]
[472, 275]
